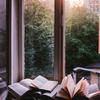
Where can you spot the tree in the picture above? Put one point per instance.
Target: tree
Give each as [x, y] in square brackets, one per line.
[38, 37]
[81, 38]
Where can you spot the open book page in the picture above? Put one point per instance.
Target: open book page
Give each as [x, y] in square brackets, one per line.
[63, 91]
[17, 89]
[44, 84]
[64, 94]
[85, 87]
[70, 85]
[78, 86]
[64, 82]
[54, 92]
[26, 82]
[39, 81]
[49, 86]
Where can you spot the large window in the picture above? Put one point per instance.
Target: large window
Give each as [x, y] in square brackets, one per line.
[82, 36]
[44, 36]
[39, 37]
[36, 39]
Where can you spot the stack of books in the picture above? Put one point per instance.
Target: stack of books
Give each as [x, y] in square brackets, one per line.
[40, 84]
[67, 90]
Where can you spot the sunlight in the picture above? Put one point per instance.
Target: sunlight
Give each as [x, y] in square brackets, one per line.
[76, 3]
[41, 0]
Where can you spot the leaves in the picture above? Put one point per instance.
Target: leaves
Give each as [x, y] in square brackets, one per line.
[38, 38]
[82, 42]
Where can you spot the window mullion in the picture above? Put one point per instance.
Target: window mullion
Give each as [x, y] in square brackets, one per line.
[59, 60]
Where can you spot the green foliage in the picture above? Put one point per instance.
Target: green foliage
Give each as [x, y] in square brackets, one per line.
[38, 36]
[81, 38]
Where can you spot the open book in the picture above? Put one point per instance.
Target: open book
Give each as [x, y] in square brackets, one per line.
[40, 82]
[69, 89]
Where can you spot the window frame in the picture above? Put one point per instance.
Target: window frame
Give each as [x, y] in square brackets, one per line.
[59, 45]
[16, 40]
[8, 25]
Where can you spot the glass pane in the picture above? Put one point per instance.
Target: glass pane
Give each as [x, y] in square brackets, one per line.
[39, 37]
[82, 28]
[3, 48]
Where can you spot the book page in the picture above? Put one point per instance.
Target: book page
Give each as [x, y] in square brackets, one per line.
[49, 85]
[17, 89]
[78, 86]
[54, 92]
[39, 81]
[85, 87]
[26, 82]
[63, 94]
[64, 83]
[70, 84]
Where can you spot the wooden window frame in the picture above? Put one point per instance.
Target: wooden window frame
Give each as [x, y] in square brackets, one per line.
[59, 51]
[8, 25]
[15, 29]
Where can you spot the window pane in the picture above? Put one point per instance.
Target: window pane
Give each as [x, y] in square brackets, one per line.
[39, 37]
[3, 49]
[82, 23]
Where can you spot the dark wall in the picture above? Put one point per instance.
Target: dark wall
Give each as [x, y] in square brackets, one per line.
[3, 35]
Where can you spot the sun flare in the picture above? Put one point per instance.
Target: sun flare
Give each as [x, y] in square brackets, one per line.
[76, 3]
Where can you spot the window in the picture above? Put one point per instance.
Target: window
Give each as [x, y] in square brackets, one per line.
[44, 38]
[39, 37]
[82, 23]
[55, 38]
